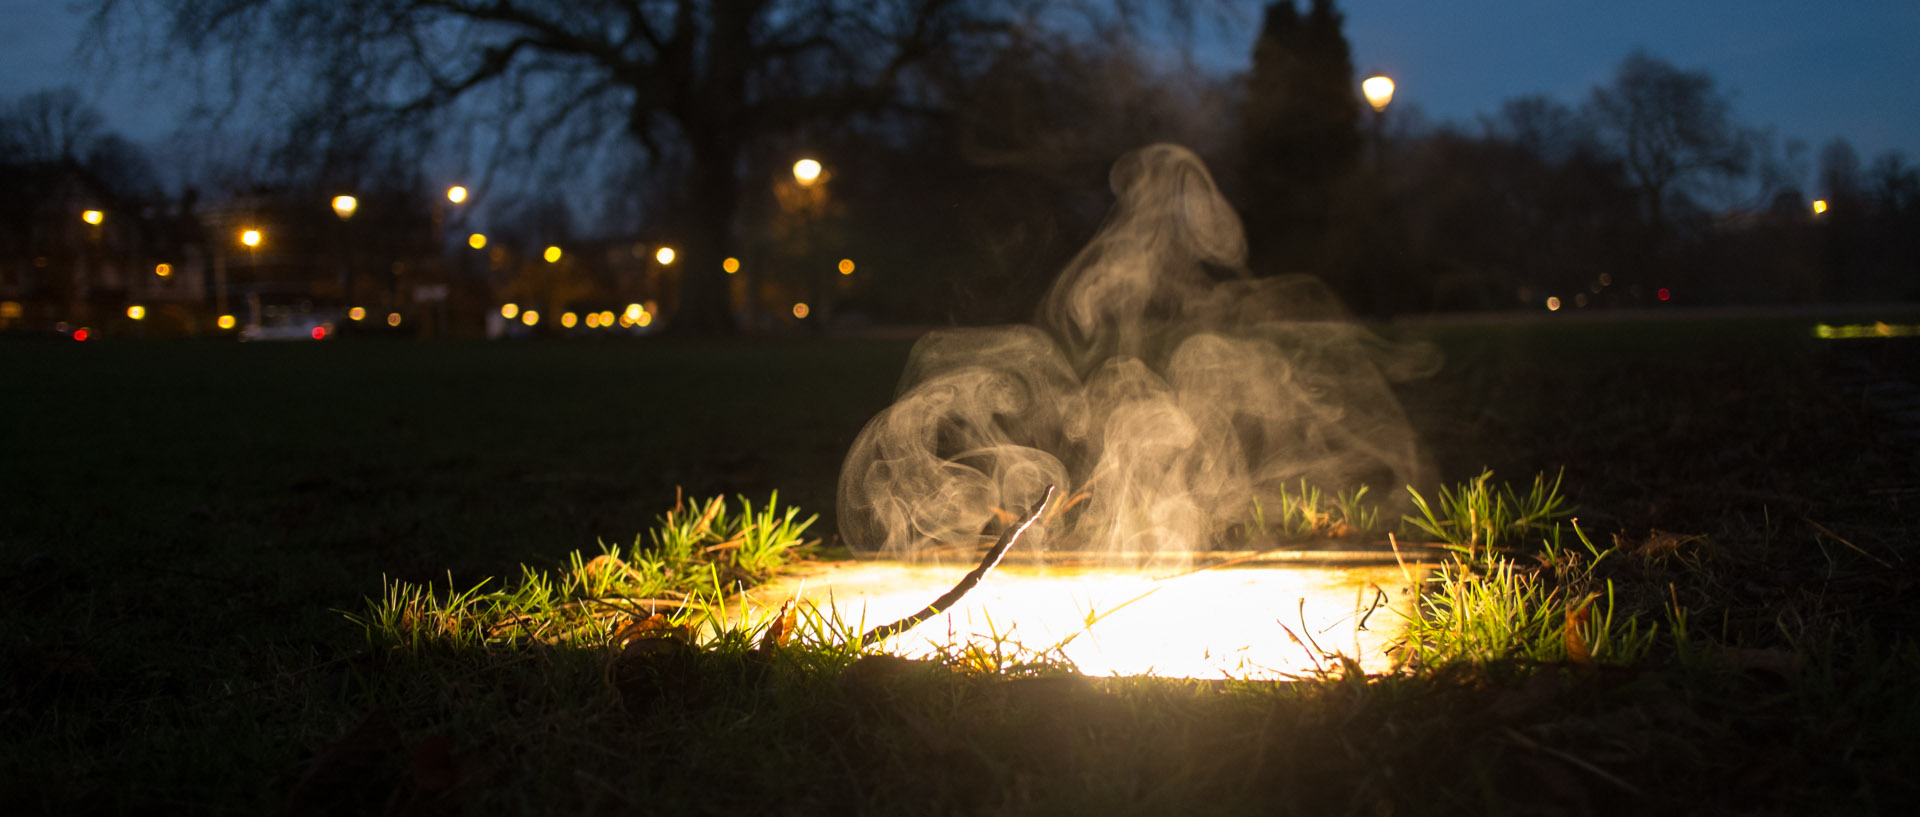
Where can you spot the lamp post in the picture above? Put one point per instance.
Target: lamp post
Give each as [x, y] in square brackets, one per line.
[1378, 89]
[344, 207]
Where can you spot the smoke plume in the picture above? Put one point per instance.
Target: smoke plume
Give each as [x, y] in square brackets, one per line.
[1163, 390]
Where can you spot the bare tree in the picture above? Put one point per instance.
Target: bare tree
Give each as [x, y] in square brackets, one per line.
[49, 126]
[694, 83]
[1673, 130]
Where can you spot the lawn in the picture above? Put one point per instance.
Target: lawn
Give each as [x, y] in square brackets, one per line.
[185, 524]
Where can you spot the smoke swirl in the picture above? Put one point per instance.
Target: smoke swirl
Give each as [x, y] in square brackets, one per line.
[1163, 390]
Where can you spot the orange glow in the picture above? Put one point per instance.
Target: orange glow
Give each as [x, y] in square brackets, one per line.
[456, 194]
[343, 206]
[92, 216]
[593, 320]
[846, 266]
[225, 322]
[1379, 92]
[137, 312]
[664, 256]
[731, 265]
[357, 313]
[633, 312]
[569, 320]
[529, 317]
[1819, 207]
[250, 238]
[606, 317]
[393, 319]
[800, 310]
[163, 270]
[509, 311]
[645, 319]
[552, 255]
[806, 172]
[477, 241]
[1553, 304]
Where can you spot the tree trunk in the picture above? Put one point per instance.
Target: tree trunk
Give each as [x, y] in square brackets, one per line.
[713, 197]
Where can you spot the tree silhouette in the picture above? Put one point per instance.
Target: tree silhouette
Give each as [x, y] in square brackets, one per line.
[1301, 133]
[1672, 129]
[696, 85]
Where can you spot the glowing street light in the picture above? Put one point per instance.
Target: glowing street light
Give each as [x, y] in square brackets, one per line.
[846, 266]
[800, 310]
[393, 319]
[250, 238]
[225, 322]
[633, 312]
[137, 312]
[456, 194]
[358, 313]
[731, 265]
[664, 256]
[529, 317]
[93, 217]
[343, 206]
[477, 241]
[569, 319]
[1379, 92]
[1819, 207]
[163, 270]
[552, 255]
[806, 172]
[509, 311]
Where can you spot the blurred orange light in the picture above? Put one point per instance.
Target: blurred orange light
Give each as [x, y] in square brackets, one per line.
[163, 270]
[509, 311]
[569, 319]
[357, 313]
[343, 206]
[456, 194]
[137, 312]
[606, 317]
[393, 319]
[731, 265]
[1819, 206]
[664, 256]
[846, 266]
[529, 317]
[800, 310]
[633, 312]
[593, 320]
[477, 241]
[1553, 304]
[552, 255]
[225, 322]
[806, 172]
[92, 216]
[1379, 92]
[250, 238]
[645, 319]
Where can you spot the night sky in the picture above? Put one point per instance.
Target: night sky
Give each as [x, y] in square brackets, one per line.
[1814, 71]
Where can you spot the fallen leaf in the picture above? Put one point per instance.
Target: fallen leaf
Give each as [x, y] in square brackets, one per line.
[652, 628]
[1577, 649]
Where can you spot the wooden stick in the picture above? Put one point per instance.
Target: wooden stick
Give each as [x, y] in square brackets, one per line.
[967, 583]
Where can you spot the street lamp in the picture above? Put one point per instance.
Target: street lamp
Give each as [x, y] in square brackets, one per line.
[664, 256]
[343, 206]
[806, 172]
[1379, 92]
[250, 238]
[456, 194]
[93, 217]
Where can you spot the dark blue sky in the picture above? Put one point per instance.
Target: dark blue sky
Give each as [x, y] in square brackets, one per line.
[1812, 70]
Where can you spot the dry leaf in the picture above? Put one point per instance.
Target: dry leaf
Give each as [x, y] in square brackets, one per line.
[1578, 651]
[655, 627]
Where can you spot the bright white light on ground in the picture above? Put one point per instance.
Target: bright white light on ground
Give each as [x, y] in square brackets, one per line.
[1227, 622]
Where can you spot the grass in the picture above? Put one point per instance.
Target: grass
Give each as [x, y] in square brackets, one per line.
[1727, 628]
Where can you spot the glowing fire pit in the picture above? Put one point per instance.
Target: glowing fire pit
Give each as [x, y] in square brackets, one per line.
[1237, 620]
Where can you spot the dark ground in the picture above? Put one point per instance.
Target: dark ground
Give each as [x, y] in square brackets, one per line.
[175, 511]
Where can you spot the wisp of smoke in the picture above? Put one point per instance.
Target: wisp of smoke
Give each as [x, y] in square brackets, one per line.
[1163, 390]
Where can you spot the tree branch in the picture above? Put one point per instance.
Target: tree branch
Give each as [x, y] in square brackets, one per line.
[967, 583]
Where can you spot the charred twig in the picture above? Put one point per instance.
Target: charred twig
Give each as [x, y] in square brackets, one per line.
[967, 583]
